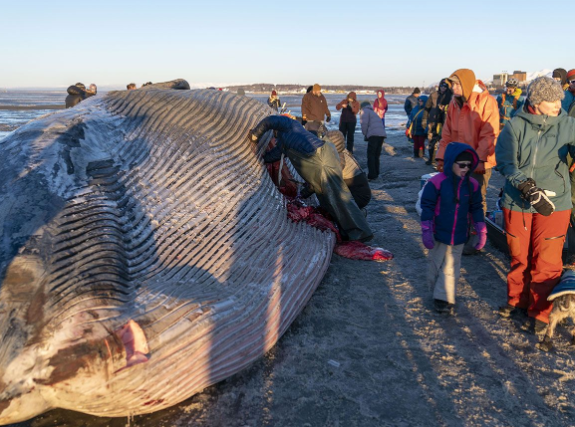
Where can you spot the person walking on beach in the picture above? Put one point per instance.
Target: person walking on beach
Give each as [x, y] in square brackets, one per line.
[560, 74]
[314, 108]
[274, 101]
[434, 115]
[450, 201]
[417, 131]
[509, 102]
[348, 120]
[568, 103]
[380, 105]
[411, 101]
[318, 163]
[531, 154]
[472, 118]
[374, 132]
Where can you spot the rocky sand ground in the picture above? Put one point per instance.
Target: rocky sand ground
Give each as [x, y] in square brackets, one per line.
[368, 349]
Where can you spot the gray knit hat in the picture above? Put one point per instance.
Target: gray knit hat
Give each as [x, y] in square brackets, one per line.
[365, 104]
[544, 89]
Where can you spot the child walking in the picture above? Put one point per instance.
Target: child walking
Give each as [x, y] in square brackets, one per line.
[449, 201]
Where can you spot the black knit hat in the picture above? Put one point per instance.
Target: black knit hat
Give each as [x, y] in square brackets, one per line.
[465, 156]
[416, 90]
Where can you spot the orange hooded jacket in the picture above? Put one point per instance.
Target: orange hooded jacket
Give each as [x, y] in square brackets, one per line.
[476, 123]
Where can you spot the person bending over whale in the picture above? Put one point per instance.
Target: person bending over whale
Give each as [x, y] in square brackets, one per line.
[317, 162]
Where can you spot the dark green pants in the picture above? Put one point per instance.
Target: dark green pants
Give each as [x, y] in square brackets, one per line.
[322, 171]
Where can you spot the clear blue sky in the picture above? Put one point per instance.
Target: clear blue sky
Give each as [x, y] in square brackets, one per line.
[59, 42]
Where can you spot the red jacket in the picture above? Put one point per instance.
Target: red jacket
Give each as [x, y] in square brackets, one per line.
[380, 105]
[476, 123]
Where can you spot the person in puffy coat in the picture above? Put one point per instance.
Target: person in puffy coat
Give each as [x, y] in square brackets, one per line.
[380, 105]
[314, 108]
[374, 133]
[435, 114]
[274, 101]
[349, 108]
[509, 102]
[568, 103]
[448, 202]
[76, 94]
[318, 163]
[531, 154]
[416, 129]
[411, 101]
[472, 118]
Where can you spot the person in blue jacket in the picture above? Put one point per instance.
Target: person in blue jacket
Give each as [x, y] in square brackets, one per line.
[449, 201]
[318, 163]
[417, 130]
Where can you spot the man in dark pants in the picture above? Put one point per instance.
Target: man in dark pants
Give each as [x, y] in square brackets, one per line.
[317, 162]
[374, 133]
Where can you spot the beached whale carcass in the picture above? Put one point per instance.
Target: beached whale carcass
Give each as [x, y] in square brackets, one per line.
[145, 253]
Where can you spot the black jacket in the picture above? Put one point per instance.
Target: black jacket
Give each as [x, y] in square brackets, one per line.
[76, 95]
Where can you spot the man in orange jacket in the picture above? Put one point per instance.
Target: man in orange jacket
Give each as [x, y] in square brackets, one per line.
[472, 118]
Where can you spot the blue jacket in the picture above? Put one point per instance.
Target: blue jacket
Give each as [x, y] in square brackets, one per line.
[568, 103]
[416, 116]
[509, 105]
[449, 200]
[290, 135]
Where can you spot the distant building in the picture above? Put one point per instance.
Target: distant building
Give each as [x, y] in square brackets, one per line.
[520, 76]
[500, 79]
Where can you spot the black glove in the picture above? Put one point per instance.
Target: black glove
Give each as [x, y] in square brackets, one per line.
[537, 197]
[328, 119]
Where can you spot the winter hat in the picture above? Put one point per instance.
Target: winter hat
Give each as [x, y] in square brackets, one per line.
[274, 93]
[365, 104]
[80, 85]
[466, 79]
[336, 137]
[465, 156]
[570, 75]
[544, 89]
[416, 90]
[317, 87]
[560, 73]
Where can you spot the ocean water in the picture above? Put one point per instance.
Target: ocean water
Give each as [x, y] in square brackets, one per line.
[11, 120]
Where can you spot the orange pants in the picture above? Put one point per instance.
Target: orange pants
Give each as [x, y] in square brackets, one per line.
[535, 245]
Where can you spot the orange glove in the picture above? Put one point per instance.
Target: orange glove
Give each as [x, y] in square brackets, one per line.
[439, 165]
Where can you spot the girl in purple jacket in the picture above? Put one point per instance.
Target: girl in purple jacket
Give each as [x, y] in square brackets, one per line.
[449, 200]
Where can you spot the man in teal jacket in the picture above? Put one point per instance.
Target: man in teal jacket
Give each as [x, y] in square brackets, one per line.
[531, 153]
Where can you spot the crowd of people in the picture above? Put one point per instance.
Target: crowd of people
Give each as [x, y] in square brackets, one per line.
[527, 137]
[530, 140]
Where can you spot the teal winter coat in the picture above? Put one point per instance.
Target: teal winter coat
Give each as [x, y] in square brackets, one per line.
[534, 146]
